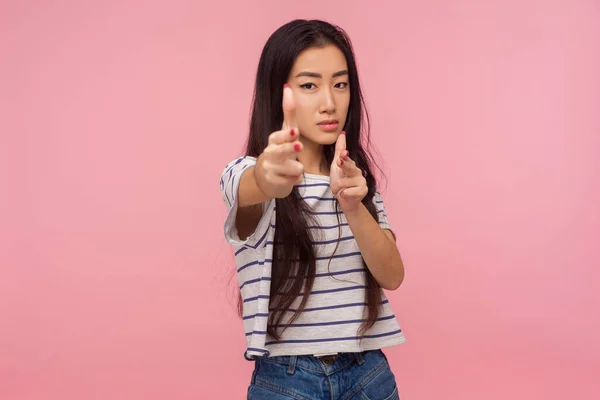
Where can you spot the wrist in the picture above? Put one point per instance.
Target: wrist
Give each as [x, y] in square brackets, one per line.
[256, 171]
[353, 211]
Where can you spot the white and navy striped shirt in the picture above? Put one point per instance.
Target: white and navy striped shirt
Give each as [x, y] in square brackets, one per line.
[336, 306]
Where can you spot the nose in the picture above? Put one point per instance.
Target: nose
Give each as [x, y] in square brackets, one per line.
[327, 105]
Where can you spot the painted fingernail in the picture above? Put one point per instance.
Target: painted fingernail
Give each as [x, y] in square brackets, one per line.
[297, 147]
[342, 132]
[293, 132]
[341, 162]
[287, 85]
[346, 153]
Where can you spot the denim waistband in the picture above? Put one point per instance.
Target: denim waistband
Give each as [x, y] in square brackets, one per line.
[323, 364]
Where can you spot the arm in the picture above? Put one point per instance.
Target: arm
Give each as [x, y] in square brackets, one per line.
[249, 193]
[378, 248]
[377, 245]
[250, 199]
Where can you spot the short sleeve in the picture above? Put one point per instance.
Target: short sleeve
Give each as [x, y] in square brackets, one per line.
[382, 213]
[230, 182]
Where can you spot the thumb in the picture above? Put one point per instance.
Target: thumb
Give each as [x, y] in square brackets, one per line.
[289, 108]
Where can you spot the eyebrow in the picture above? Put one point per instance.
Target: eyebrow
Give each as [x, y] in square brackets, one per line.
[316, 75]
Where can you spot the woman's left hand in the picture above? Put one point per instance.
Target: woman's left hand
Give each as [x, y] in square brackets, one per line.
[347, 182]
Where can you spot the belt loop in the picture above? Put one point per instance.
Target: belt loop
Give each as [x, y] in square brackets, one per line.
[292, 366]
[359, 359]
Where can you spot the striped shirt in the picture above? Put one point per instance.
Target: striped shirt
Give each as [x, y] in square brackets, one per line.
[336, 305]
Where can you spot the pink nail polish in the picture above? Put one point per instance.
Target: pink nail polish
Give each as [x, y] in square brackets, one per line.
[293, 132]
[297, 147]
[342, 132]
[287, 85]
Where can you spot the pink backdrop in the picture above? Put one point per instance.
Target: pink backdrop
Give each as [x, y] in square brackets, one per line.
[117, 118]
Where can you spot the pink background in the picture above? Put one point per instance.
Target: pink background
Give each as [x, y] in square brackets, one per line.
[117, 118]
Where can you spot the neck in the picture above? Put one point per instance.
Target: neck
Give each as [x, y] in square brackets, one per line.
[313, 159]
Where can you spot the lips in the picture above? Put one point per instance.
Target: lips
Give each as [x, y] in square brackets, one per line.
[328, 122]
[330, 125]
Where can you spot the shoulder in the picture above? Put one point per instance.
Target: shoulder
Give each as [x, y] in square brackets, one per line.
[238, 163]
[377, 197]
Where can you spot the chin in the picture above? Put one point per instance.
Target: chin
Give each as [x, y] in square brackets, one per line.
[326, 141]
[323, 138]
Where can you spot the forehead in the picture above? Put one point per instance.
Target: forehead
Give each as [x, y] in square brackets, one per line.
[325, 60]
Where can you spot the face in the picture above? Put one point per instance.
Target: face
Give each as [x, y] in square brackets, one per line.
[319, 81]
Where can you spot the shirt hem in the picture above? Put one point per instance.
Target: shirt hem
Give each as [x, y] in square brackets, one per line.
[322, 348]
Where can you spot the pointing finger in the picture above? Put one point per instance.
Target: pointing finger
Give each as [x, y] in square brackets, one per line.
[289, 108]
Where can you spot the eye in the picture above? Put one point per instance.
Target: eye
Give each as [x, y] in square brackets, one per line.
[341, 85]
[308, 86]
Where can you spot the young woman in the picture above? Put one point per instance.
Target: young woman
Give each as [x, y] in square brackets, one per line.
[312, 241]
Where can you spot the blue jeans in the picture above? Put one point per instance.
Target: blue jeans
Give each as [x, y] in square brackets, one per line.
[357, 376]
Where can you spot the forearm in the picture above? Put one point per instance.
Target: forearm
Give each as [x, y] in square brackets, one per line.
[377, 247]
[249, 192]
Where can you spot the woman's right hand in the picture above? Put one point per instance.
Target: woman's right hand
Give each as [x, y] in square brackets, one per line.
[277, 169]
